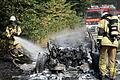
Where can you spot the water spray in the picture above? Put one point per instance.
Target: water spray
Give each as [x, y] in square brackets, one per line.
[31, 49]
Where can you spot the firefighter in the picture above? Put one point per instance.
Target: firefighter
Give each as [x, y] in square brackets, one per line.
[13, 30]
[108, 30]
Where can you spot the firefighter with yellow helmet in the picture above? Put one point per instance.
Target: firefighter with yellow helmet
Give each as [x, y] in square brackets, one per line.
[11, 44]
[108, 30]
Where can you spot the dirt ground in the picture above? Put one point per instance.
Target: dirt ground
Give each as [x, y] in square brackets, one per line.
[8, 69]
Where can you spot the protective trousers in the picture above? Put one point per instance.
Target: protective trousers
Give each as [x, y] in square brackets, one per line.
[107, 52]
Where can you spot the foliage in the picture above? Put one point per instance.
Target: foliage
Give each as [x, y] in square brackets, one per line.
[80, 5]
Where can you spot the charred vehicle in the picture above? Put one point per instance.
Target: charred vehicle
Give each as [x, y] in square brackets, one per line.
[64, 58]
[78, 62]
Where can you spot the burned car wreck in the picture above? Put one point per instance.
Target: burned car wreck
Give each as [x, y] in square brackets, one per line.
[68, 63]
[67, 57]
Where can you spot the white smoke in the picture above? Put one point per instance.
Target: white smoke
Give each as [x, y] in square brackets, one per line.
[72, 38]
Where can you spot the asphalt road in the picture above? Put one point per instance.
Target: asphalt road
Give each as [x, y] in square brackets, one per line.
[8, 69]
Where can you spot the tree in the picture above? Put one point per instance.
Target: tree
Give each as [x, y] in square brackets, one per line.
[80, 5]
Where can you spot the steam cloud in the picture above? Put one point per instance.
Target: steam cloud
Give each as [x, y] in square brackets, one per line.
[72, 38]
